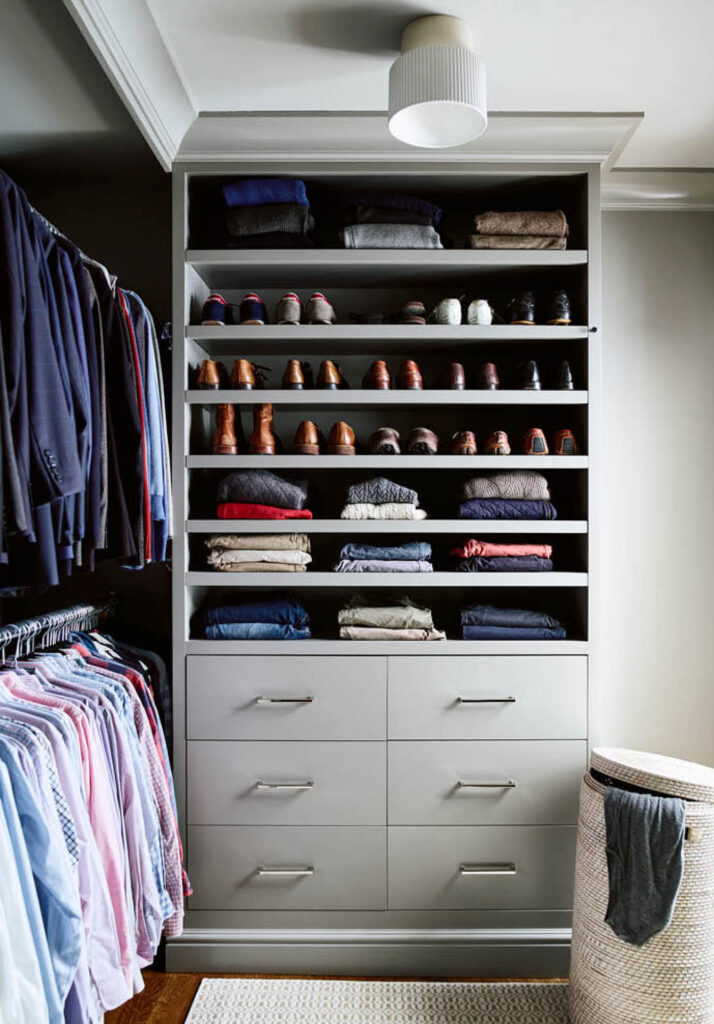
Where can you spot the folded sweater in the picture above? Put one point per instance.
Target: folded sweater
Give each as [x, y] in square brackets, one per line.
[380, 491]
[503, 508]
[498, 563]
[247, 510]
[258, 541]
[522, 222]
[473, 548]
[390, 236]
[413, 550]
[382, 565]
[515, 484]
[390, 510]
[259, 220]
[375, 633]
[261, 487]
[255, 191]
[488, 615]
[397, 201]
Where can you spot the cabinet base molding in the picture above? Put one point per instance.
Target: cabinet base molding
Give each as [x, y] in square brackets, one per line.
[457, 953]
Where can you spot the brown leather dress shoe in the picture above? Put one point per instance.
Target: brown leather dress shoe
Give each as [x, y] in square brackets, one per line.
[534, 442]
[377, 376]
[341, 440]
[384, 441]
[293, 378]
[243, 375]
[307, 439]
[422, 441]
[225, 441]
[262, 440]
[463, 443]
[329, 376]
[564, 442]
[209, 377]
[488, 377]
[409, 376]
[452, 378]
[497, 444]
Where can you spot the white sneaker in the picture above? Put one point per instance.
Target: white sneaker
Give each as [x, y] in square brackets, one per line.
[479, 313]
[448, 311]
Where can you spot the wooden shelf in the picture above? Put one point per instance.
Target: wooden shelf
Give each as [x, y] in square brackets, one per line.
[364, 647]
[311, 397]
[398, 526]
[392, 580]
[385, 463]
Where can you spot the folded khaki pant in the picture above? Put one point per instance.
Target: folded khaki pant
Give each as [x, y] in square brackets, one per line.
[374, 633]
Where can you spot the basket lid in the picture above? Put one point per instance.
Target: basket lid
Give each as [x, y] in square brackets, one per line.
[667, 775]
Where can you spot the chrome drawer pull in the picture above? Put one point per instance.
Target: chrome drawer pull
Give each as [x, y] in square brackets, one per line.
[485, 700]
[296, 872]
[284, 785]
[487, 869]
[510, 784]
[283, 700]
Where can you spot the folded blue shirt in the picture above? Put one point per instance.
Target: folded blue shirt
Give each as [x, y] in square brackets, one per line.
[283, 609]
[488, 615]
[255, 191]
[256, 631]
[506, 508]
[513, 633]
[412, 551]
[504, 563]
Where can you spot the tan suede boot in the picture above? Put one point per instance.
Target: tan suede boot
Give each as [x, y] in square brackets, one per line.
[225, 441]
[262, 440]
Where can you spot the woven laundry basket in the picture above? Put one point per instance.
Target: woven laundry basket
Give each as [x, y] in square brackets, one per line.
[669, 980]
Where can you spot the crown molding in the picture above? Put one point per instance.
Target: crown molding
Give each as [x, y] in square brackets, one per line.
[672, 189]
[124, 38]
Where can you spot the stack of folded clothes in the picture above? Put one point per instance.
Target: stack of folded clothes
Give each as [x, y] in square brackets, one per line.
[264, 552]
[401, 620]
[267, 213]
[482, 556]
[260, 494]
[386, 220]
[484, 622]
[381, 499]
[520, 229]
[269, 617]
[414, 556]
[515, 494]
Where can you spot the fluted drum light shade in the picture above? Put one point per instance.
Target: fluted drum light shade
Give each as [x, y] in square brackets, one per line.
[437, 86]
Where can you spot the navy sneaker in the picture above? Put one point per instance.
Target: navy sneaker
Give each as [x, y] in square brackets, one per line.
[252, 310]
[216, 312]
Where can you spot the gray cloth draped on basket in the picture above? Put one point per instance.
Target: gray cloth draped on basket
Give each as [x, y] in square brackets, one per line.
[645, 861]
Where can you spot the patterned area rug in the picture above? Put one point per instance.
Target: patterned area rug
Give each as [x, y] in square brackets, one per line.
[298, 1001]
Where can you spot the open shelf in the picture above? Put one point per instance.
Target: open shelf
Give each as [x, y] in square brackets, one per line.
[409, 526]
[387, 462]
[364, 647]
[311, 397]
[390, 580]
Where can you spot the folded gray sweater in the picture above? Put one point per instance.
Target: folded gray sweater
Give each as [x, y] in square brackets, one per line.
[261, 487]
[380, 491]
[391, 236]
[514, 484]
[259, 220]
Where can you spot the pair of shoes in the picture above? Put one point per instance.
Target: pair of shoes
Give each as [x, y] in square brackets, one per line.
[379, 378]
[262, 440]
[449, 311]
[497, 443]
[308, 439]
[217, 312]
[528, 376]
[521, 309]
[245, 376]
[420, 441]
[298, 376]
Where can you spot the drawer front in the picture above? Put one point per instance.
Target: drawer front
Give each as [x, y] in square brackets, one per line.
[343, 868]
[425, 868]
[461, 782]
[461, 697]
[256, 783]
[303, 698]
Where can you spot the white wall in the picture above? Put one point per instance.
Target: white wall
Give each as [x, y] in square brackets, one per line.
[655, 674]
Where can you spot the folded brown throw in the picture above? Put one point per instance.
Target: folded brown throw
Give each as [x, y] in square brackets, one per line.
[522, 222]
[517, 242]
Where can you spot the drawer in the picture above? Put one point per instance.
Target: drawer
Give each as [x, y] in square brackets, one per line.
[234, 868]
[303, 783]
[462, 782]
[304, 698]
[471, 868]
[487, 697]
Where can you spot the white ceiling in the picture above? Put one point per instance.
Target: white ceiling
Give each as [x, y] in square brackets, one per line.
[542, 55]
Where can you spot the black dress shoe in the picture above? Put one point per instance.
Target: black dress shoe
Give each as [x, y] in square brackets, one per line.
[564, 380]
[559, 308]
[527, 376]
[521, 309]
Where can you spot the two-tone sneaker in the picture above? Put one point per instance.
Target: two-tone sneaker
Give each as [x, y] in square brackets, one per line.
[289, 310]
[319, 310]
[253, 311]
[216, 312]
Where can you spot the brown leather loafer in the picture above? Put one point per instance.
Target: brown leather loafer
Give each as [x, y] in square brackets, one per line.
[564, 442]
[225, 441]
[384, 441]
[341, 440]
[488, 377]
[452, 378]
[293, 378]
[209, 377]
[328, 376]
[377, 376]
[307, 439]
[422, 441]
[262, 440]
[534, 442]
[497, 443]
[409, 377]
[243, 375]
[463, 443]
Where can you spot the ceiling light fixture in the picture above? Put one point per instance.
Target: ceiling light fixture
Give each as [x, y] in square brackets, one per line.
[437, 85]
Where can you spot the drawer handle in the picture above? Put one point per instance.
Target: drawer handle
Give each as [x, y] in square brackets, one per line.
[284, 785]
[301, 872]
[510, 784]
[487, 869]
[485, 700]
[283, 700]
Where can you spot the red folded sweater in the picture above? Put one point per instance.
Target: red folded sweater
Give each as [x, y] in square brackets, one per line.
[473, 548]
[244, 510]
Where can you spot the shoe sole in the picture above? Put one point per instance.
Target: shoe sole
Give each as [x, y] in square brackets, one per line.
[213, 323]
[242, 387]
[522, 323]
[263, 450]
[386, 449]
[306, 449]
[252, 323]
[328, 387]
[209, 387]
[225, 449]
[293, 387]
[530, 387]
[288, 323]
[410, 387]
[341, 449]
[561, 321]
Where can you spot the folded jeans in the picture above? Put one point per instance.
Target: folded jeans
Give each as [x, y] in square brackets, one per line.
[256, 631]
